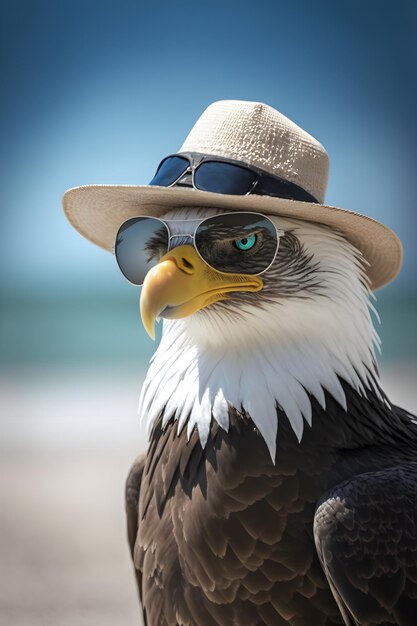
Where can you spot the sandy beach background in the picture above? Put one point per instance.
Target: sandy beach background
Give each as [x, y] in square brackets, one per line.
[100, 92]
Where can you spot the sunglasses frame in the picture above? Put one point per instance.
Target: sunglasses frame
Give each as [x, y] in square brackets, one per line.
[279, 233]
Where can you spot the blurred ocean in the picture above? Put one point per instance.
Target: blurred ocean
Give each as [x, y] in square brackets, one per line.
[105, 328]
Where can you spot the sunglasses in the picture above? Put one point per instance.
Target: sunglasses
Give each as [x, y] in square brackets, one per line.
[220, 175]
[237, 243]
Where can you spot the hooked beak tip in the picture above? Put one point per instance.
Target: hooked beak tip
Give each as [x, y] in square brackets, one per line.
[151, 332]
[148, 320]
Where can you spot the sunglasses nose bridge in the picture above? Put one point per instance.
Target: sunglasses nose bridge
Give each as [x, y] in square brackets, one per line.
[180, 239]
[186, 178]
[190, 171]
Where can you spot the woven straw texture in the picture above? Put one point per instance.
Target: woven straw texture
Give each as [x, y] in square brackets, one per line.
[261, 136]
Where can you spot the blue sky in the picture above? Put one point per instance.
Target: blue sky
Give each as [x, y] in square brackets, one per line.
[99, 92]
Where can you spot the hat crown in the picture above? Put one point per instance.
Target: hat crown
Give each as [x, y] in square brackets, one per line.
[262, 137]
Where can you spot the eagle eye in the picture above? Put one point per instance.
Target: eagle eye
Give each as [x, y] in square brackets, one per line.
[246, 243]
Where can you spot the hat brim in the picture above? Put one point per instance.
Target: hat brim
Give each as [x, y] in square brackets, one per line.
[97, 211]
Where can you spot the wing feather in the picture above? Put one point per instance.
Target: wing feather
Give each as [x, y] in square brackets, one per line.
[132, 491]
[365, 531]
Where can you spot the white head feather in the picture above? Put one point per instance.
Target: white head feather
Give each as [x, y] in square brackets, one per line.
[276, 354]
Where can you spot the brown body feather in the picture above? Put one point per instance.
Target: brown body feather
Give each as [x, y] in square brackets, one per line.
[222, 536]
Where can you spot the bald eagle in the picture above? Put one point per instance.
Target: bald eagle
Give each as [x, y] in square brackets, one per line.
[279, 486]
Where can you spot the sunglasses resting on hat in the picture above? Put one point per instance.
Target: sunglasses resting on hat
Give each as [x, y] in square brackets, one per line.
[244, 243]
[226, 176]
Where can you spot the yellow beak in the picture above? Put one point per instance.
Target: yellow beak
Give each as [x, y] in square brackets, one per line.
[182, 283]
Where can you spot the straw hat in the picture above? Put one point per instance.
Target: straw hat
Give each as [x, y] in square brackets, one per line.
[256, 134]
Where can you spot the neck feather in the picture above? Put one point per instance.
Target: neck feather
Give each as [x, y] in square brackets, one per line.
[195, 378]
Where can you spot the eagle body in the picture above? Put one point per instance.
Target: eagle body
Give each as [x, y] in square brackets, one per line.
[280, 484]
[223, 537]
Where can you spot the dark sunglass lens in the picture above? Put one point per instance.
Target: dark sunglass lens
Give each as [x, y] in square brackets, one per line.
[223, 177]
[140, 243]
[169, 170]
[242, 243]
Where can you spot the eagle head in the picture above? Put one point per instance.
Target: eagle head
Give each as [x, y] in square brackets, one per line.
[252, 340]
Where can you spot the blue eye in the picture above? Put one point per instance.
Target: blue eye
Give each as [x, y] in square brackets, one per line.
[246, 243]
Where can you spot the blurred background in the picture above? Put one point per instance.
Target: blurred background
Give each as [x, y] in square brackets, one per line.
[99, 92]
